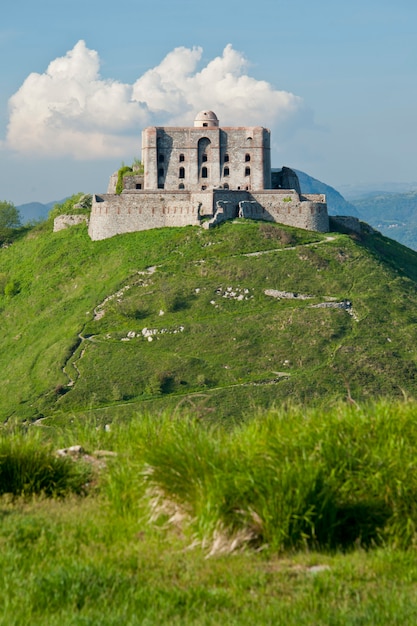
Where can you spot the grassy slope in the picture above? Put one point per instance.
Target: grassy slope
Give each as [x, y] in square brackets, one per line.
[102, 560]
[232, 354]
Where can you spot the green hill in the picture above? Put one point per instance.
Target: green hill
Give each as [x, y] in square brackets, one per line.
[221, 321]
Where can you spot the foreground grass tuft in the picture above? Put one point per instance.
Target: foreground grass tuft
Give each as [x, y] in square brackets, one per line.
[28, 466]
[289, 479]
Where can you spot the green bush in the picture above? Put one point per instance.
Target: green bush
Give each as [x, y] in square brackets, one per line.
[9, 220]
[28, 466]
[125, 169]
[77, 203]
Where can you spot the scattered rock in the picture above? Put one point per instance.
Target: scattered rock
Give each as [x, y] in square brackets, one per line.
[77, 453]
[274, 293]
[73, 451]
[66, 221]
[317, 569]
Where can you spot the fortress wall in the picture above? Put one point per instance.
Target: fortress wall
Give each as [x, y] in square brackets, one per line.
[134, 181]
[314, 197]
[289, 209]
[112, 183]
[134, 211]
[141, 210]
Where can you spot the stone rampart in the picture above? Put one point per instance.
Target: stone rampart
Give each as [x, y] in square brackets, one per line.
[141, 210]
[135, 211]
[291, 209]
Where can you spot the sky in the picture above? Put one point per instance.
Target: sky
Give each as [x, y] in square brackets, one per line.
[336, 82]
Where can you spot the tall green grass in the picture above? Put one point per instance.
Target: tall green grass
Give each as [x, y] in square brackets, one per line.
[289, 479]
[29, 466]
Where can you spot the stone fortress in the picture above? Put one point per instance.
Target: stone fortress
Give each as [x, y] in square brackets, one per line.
[203, 175]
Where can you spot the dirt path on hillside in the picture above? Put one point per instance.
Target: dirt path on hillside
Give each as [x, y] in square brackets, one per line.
[99, 312]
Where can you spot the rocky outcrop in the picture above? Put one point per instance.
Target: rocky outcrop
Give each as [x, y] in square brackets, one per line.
[66, 221]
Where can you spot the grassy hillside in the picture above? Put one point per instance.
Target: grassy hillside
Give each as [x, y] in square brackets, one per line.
[190, 318]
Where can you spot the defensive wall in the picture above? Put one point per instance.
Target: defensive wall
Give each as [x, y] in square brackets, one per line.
[137, 210]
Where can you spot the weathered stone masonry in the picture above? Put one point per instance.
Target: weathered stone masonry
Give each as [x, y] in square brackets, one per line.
[204, 175]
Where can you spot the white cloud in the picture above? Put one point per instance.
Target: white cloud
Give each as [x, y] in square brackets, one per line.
[71, 111]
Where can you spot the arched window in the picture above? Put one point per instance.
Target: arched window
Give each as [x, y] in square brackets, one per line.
[226, 186]
[247, 157]
[181, 186]
[181, 173]
[204, 187]
[226, 158]
[247, 171]
[161, 158]
[182, 158]
[226, 171]
[204, 147]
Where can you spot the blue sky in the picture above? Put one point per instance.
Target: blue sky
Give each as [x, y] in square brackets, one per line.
[335, 82]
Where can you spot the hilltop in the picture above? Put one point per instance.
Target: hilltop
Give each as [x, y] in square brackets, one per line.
[248, 314]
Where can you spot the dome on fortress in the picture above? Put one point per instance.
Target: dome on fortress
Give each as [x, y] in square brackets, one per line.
[206, 118]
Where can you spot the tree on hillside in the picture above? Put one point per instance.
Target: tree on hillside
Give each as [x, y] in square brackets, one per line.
[9, 219]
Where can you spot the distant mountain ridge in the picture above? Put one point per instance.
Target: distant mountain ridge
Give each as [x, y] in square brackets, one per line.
[394, 214]
[360, 190]
[34, 211]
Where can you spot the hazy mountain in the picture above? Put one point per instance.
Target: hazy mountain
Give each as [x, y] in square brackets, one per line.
[353, 191]
[394, 214]
[34, 211]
